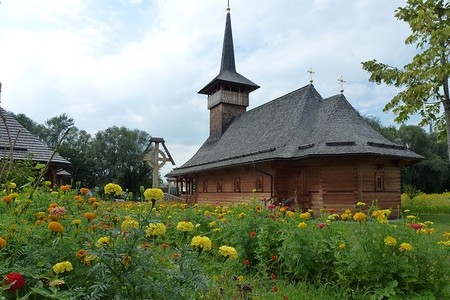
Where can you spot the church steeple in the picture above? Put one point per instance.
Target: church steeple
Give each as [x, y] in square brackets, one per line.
[228, 62]
[228, 92]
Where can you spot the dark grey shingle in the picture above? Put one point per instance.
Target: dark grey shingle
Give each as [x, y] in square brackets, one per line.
[24, 143]
[295, 126]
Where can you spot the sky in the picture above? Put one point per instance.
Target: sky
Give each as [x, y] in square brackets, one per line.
[140, 63]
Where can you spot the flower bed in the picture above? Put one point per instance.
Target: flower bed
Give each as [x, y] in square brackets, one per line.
[69, 245]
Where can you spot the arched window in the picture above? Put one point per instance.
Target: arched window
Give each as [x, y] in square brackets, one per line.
[205, 186]
[379, 182]
[259, 184]
[219, 185]
[237, 185]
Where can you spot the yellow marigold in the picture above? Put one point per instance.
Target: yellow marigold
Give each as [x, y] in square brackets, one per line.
[405, 247]
[7, 199]
[155, 229]
[446, 234]
[346, 215]
[2, 243]
[390, 241]
[14, 195]
[64, 188]
[185, 226]
[359, 203]
[76, 222]
[12, 185]
[156, 194]
[103, 241]
[62, 267]
[212, 224]
[445, 243]
[302, 225]
[89, 215]
[128, 224]
[228, 252]
[202, 242]
[360, 217]
[241, 215]
[342, 246]
[55, 227]
[84, 191]
[290, 214]
[305, 216]
[113, 189]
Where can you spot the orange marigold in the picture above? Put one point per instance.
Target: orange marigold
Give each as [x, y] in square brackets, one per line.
[7, 199]
[2, 243]
[55, 227]
[64, 188]
[89, 215]
[84, 191]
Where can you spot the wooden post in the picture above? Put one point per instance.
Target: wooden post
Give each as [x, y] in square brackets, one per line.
[157, 158]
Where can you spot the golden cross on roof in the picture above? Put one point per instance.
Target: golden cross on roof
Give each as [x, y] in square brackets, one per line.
[311, 73]
[341, 81]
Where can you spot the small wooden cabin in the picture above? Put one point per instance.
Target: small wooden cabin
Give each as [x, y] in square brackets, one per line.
[300, 149]
[17, 141]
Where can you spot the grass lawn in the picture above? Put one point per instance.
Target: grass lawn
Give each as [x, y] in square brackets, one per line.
[441, 222]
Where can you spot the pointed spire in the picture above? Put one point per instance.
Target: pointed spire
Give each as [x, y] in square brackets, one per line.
[228, 62]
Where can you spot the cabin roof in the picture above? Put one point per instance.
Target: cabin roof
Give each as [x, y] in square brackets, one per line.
[24, 144]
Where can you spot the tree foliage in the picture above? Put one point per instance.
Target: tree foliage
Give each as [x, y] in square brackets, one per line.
[424, 81]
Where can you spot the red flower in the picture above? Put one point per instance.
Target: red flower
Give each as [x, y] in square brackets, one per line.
[274, 258]
[331, 211]
[321, 225]
[246, 262]
[275, 289]
[16, 279]
[415, 226]
[252, 233]
[273, 276]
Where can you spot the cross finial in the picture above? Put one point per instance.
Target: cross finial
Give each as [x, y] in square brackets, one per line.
[311, 73]
[341, 81]
[228, 6]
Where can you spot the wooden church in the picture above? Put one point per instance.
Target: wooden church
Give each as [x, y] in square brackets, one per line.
[308, 151]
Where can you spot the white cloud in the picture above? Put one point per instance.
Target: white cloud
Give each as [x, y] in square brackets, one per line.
[140, 64]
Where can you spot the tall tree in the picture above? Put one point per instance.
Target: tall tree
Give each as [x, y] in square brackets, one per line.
[118, 157]
[425, 80]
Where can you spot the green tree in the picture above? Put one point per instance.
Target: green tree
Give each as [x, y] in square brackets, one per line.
[431, 174]
[55, 128]
[425, 79]
[117, 156]
[78, 150]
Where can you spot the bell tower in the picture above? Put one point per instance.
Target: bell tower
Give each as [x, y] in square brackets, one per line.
[228, 93]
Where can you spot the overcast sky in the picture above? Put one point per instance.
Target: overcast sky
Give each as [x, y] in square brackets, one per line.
[140, 63]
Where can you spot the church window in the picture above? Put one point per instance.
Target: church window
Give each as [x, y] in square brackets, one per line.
[379, 182]
[259, 184]
[237, 185]
[219, 185]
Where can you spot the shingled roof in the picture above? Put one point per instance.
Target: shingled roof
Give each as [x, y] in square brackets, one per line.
[25, 145]
[298, 125]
